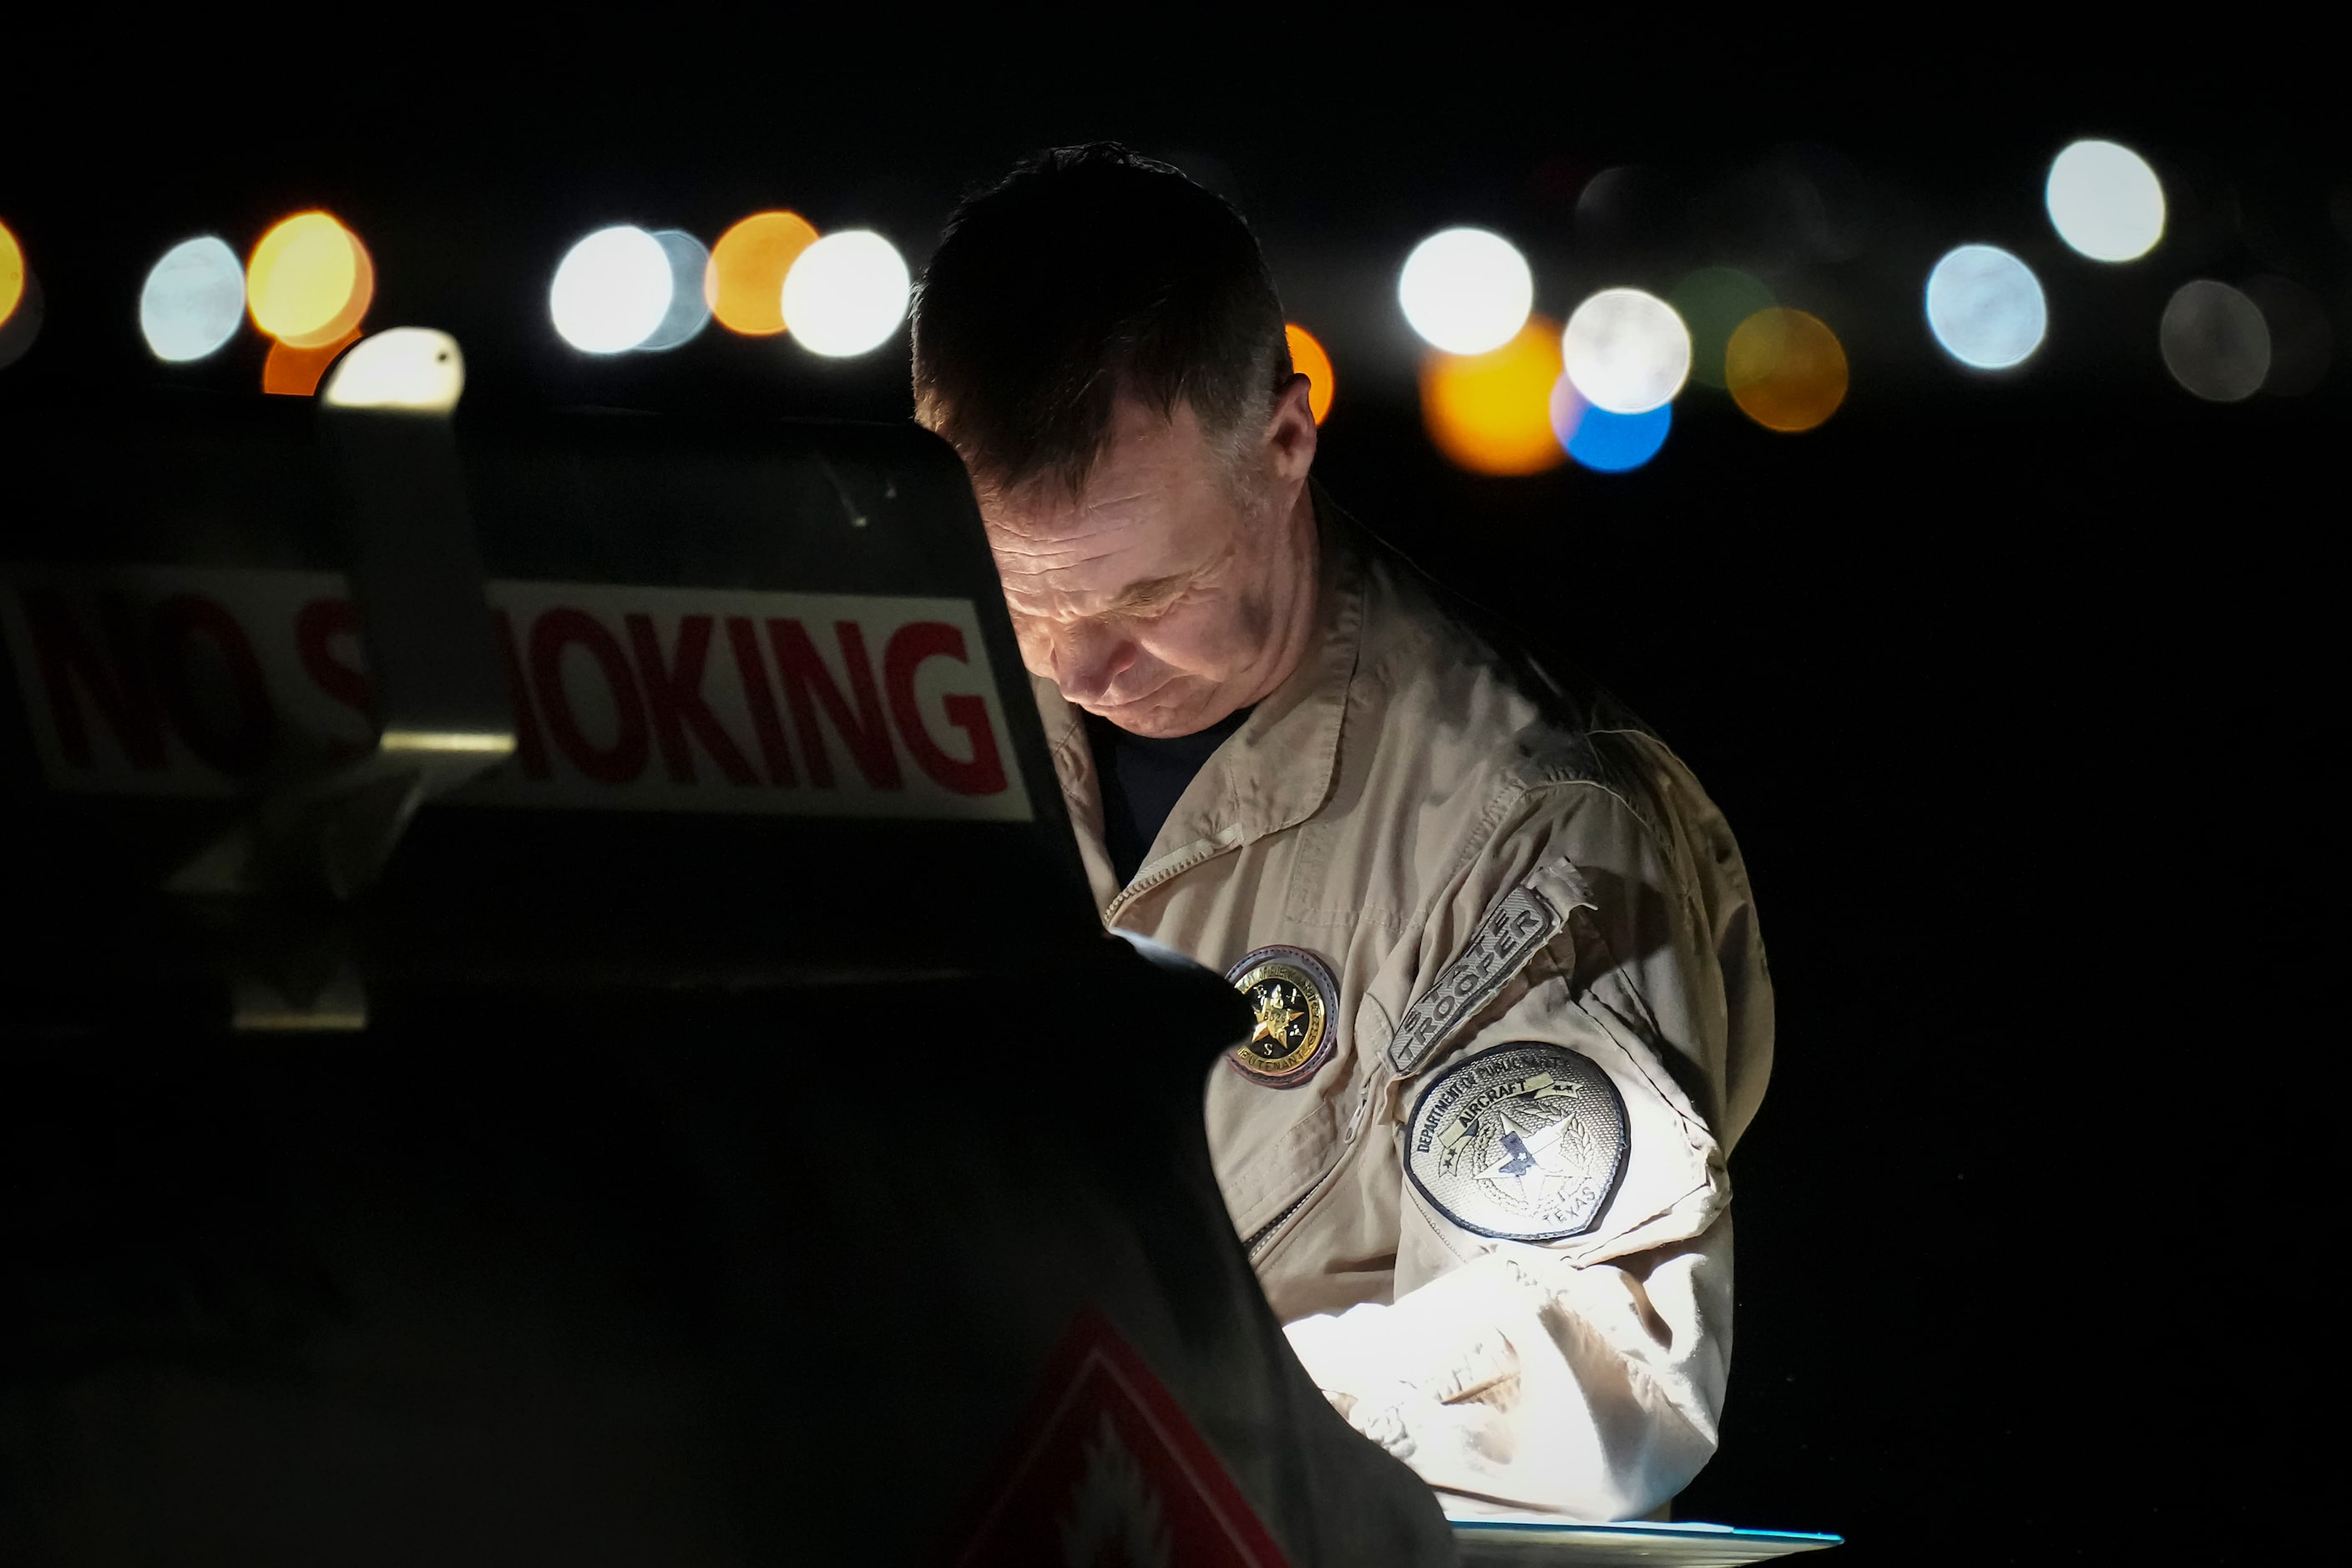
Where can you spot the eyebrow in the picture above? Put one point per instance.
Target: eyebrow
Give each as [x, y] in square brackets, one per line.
[1148, 595]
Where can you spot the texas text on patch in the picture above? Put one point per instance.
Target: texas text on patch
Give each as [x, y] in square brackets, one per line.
[1524, 1142]
[1294, 1004]
[1506, 939]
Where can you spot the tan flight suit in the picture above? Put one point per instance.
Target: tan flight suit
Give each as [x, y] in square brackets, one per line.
[1380, 811]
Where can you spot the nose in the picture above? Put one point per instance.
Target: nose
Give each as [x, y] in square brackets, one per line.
[1089, 659]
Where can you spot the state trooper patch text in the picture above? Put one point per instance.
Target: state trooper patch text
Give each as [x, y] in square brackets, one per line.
[1506, 939]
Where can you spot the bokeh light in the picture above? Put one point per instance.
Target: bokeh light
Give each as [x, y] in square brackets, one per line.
[688, 310]
[1711, 302]
[745, 285]
[2302, 336]
[417, 368]
[1626, 351]
[309, 281]
[2215, 342]
[1785, 369]
[1308, 358]
[1605, 442]
[1491, 412]
[21, 304]
[611, 291]
[11, 273]
[294, 371]
[1465, 291]
[1985, 307]
[193, 300]
[2105, 201]
[846, 293]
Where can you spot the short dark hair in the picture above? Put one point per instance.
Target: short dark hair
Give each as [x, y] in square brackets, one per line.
[1087, 272]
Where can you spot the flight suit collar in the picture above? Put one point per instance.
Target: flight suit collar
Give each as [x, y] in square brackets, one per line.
[1074, 765]
[1273, 773]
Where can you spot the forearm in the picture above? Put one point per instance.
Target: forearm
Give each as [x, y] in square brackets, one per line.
[1592, 1392]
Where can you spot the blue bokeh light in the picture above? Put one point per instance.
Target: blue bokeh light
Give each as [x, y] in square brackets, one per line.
[1605, 442]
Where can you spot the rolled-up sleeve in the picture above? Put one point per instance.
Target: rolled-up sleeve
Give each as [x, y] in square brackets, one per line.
[1581, 1373]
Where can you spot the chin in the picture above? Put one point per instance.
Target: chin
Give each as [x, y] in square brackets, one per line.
[1155, 726]
[1157, 715]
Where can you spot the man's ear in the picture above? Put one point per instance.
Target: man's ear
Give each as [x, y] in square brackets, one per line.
[1290, 431]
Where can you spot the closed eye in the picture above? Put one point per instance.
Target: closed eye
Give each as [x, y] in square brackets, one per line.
[1149, 597]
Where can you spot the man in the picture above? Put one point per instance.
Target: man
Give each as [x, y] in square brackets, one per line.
[1510, 1005]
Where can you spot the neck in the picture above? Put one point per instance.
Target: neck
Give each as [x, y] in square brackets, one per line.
[1295, 601]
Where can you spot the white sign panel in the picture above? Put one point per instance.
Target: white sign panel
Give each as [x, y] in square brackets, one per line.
[194, 681]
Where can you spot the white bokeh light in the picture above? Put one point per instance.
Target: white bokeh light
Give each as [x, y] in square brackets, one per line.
[1626, 352]
[2106, 201]
[193, 300]
[2215, 342]
[1466, 292]
[846, 293]
[1985, 307]
[417, 370]
[689, 306]
[611, 290]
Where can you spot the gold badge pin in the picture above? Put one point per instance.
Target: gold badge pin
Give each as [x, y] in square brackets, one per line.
[1292, 998]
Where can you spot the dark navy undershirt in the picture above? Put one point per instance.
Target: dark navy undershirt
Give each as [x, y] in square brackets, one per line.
[1142, 779]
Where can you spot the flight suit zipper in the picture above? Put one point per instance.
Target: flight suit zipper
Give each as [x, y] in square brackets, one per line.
[1264, 1237]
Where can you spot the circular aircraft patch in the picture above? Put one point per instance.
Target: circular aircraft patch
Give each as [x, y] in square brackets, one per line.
[1524, 1142]
[1292, 1000]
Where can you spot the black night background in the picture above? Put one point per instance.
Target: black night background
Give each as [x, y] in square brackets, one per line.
[2013, 685]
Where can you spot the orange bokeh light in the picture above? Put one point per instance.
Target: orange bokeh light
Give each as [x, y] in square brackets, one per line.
[745, 280]
[1491, 412]
[292, 372]
[1308, 358]
[1785, 369]
[11, 273]
[309, 281]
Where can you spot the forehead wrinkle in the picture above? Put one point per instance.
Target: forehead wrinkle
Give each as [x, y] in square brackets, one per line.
[1093, 506]
[1049, 561]
[1048, 548]
[1082, 524]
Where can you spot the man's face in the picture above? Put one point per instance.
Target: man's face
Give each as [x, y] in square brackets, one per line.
[1168, 594]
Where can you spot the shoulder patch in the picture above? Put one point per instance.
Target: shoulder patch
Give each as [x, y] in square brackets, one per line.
[1525, 1142]
[1296, 1003]
[1506, 939]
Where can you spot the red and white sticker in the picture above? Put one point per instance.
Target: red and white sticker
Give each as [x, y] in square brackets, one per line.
[1106, 1468]
[191, 682]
